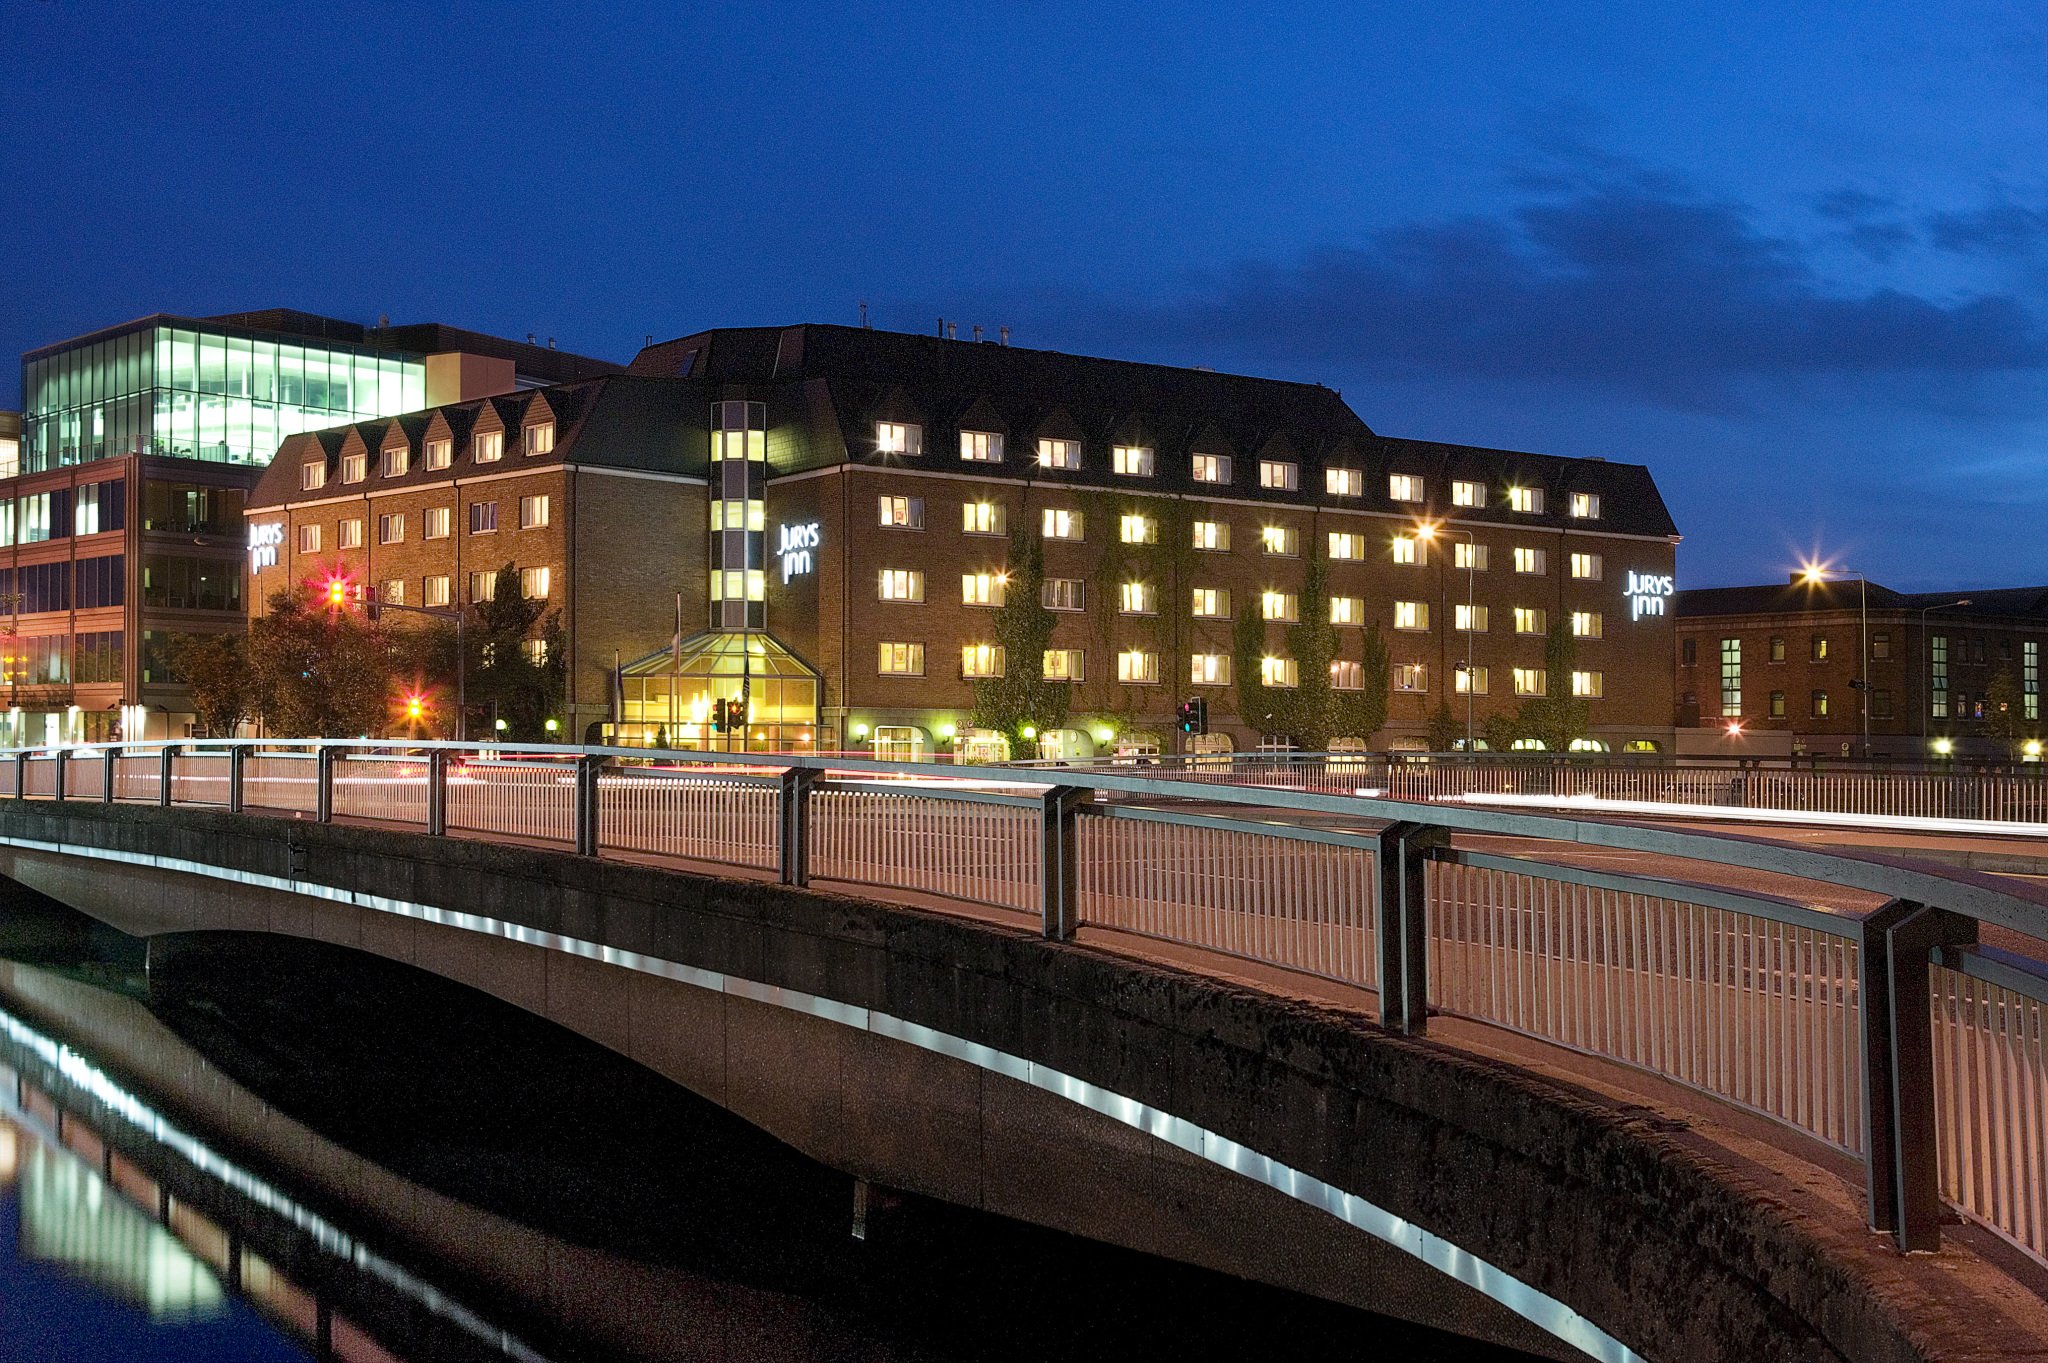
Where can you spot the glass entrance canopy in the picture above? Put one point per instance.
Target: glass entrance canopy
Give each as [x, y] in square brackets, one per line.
[665, 698]
[192, 389]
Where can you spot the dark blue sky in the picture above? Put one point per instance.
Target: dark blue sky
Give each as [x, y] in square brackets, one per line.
[1793, 257]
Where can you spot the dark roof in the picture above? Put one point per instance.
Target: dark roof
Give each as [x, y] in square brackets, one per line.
[1837, 594]
[542, 362]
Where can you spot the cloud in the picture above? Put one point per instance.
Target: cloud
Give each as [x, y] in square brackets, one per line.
[1621, 280]
[2002, 230]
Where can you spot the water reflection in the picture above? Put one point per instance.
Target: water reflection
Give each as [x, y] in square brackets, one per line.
[70, 1218]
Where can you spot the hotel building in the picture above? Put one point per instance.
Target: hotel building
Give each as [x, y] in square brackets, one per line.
[834, 508]
[121, 508]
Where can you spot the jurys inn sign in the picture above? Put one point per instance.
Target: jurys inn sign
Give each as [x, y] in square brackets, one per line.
[1647, 594]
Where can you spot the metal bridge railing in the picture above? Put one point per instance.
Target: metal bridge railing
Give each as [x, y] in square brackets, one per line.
[1884, 1031]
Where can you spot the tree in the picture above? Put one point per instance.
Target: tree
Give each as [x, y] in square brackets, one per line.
[1260, 706]
[505, 680]
[317, 671]
[215, 668]
[2005, 722]
[1363, 713]
[1556, 717]
[1022, 697]
[1311, 710]
[1445, 728]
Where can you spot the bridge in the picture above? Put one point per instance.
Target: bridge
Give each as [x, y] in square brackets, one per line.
[1590, 1081]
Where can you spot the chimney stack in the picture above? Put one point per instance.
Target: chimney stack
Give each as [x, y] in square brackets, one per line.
[1006, 335]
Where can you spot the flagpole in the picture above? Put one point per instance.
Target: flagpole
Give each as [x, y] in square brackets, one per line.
[675, 676]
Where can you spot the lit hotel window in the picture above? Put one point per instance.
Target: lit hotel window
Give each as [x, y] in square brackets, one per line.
[397, 459]
[391, 528]
[1586, 566]
[1526, 499]
[981, 660]
[391, 591]
[483, 586]
[483, 518]
[309, 539]
[1466, 556]
[1404, 487]
[1344, 482]
[901, 659]
[1279, 672]
[436, 523]
[1586, 624]
[1209, 669]
[1346, 546]
[1212, 468]
[1137, 598]
[435, 591]
[440, 453]
[536, 651]
[899, 437]
[487, 447]
[1063, 664]
[1530, 620]
[1133, 461]
[981, 447]
[1531, 560]
[981, 589]
[1589, 684]
[533, 512]
[1406, 550]
[1346, 676]
[1470, 681]
[1586, 505]
[1213, 536]
[1471, 619]
[1347, 610]
[1410, 677]
[1211, 603]
[349, 534]
[1530, 681]
[984, 518]
[1283, 606]
[355, 467]
[1139, 530]
[903, 513]
[1464, 493]
[1411, 615]
[1281, 476]
[901, 584]
[534, 583]
[1062, 525]
[1059, 454]
[1064, 594]
[1282, 540]
[540, 438]
[1136, 667]
[312, 477]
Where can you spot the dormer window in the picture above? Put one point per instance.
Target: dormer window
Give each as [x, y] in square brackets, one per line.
[1467, 493]
[355, 467]
[1132, 461]
[440, 453]
[1586, 506]
[1404, 487]
[488, 447]
[1059, 454]
[397, 459]
[899, 437]
[1212, 468]
[312, 477]
[1528, 500]
[981, 447]
[1278, 475]
[1344, 482]
[540, 438]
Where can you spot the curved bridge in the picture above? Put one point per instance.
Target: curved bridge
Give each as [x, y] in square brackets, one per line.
[970, 1045]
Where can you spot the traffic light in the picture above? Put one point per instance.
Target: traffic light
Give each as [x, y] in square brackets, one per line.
[1194, 715]
[369, 599]
[721, 715]
[337, 593]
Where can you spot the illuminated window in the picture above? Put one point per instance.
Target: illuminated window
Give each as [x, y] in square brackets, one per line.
[534, 583]
[1279, 672]
[349, 534]
[1820, 648]
[1469, 681]
[309, 539]
[1731, 678]
[1532, 560]
[1133, 461]
[1213, 536]
[1064, 594]
[539, 438]
[981, 589]
[1820, 705]
[1467, 556]
[1212, 468]
[312, 477]
[1283, 540]
[900, 584]
[488, 447]
[1064, 664]
[1465, 493]
[1530, 620]
[1138, 530]
[1277, 474]
[435, 523]
[397, 459]
[391, 528]
[1209, 669]
[440, 453]
[1347, 676]
[1585, 505]
[1347, 610]
[898, 437]
[1404, 487]
[1411, 615]
[981, 447]
[1777, 705]
[1137, 598]
[1136, 667]
[1410, 677]
[1344, 482]
[900, 513]
[536, 651]
[981, 661]
[1586, 624]
[984, 518]
[355, 467]
[1212, 603]
[1059, 454]
[391, 591]
[1590, 685]
[1062, 525]
[1526, 499]
[533, 512]
[483, 586]
[1471, 619]
[897, 659]
[483, 517]
[1586, 566]
[1280, 606]
[1344, 545]
[1406, 550]
[2030, 679]
[1531, 681]
[436, 591]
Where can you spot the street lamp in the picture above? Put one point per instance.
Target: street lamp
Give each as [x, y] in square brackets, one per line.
[1816, 573]
[1427, 531]
[1927, 703]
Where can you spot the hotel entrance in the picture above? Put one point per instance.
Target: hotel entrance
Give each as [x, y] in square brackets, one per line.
[670, 699]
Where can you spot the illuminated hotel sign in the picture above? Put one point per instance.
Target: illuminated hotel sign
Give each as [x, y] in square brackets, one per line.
[793, 547]
[1646, 595]
[264, 539]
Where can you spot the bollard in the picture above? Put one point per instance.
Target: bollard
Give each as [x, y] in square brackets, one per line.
[1060, 875]
[794, 807]
[1401, 860]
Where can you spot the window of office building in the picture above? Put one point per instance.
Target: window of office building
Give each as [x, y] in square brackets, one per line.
[435, 590]
[1212, 468]
[1344, 482]
[436, 523]
[1404, 487]
[1471, 619]
[348, 533]
[1209, 669]
[1586, 624]
[1059, 454]
[900, 584]
[984, 518]
[1344, 545]
[100, 506]
[535, 582]
[1469, 680]
[1532, 560]
[981, 447]
[97, 657]
[981, 589]
[1058, 524]
[1589, 685]
[102, 581]
[1528, 500]
[1281, 540]
[1137, 667]
[900, 659]
[1137, 598]
[440, 453]
[1132, 461]
[1279, 475]
[1064, 664]
[487, 447]
[397, 459]
[1586, 567]
[1731, 678]
[1468, 557]
[192, 509]
[483, 517]
[44, 516]
[1411, 615]
[391, 528]
[1284, 606]
[1531, 681]
[1138, 530]
[1531, 620]
[902, 513]
[1279, 672]
[533, 512]
[1064, 594]
[1212, 536]
[1212, 603]
[41, 587]
[182, 582]
[1465, 493]
[981, 661]
[539, 438]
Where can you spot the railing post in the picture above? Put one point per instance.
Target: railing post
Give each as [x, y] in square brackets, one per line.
[111, 760]
[797, 784]
[1059, 903]
[588, 769]
[21, 774]
[63, 760]
[323, 797]
[238, 778]
[1902, 1157]
[1400, 861]
[437, 792]
[164, 759]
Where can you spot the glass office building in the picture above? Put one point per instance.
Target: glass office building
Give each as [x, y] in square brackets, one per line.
[195, 389]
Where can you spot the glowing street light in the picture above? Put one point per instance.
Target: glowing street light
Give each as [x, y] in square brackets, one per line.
[1813, 575]
[1427, 531]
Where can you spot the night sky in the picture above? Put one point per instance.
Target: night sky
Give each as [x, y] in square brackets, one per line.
[1795, 258]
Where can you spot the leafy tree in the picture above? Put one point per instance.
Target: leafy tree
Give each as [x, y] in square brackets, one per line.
[1022, 696]
[215, 668]
[1445, 728]
[505, 682]
[1363, 713]
[317, 672]
[1554, 718]
[1262, 708]
[2004, 718]
[1312, 712]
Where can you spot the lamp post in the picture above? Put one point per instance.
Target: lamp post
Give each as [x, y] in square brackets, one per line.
[1927, 704]
[1817, 573]
[1427, 531]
